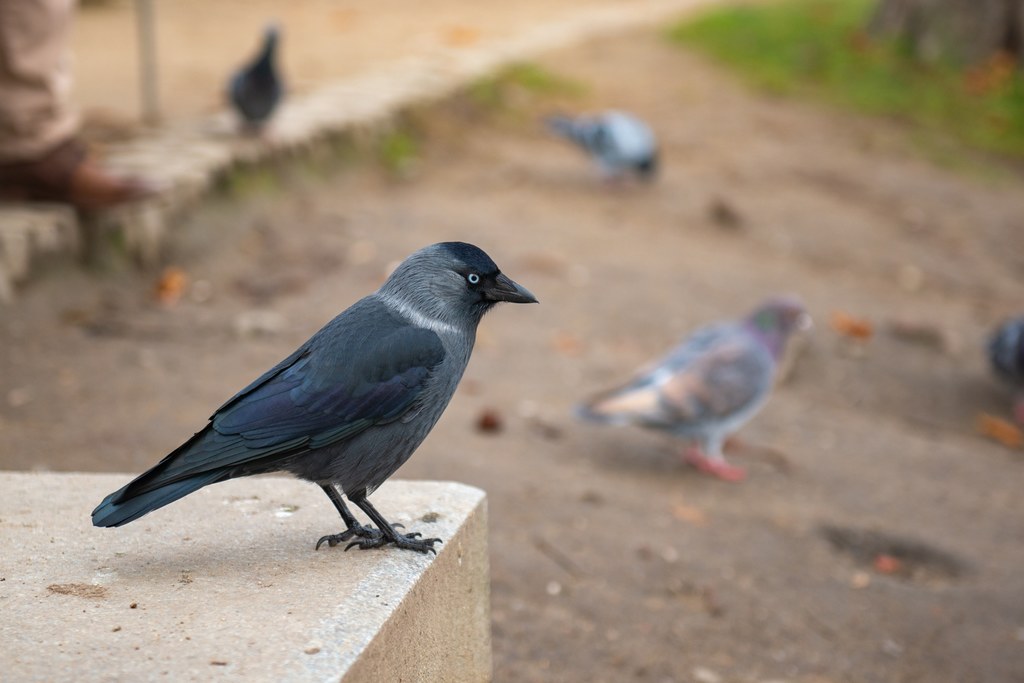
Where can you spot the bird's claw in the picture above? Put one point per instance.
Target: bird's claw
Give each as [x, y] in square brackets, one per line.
[360, 531]
[405, 541]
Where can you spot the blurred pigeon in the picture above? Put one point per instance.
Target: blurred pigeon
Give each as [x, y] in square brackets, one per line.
[349, 406]
[709, 386]
[1006, 353]
[618, 142]
[255, 89]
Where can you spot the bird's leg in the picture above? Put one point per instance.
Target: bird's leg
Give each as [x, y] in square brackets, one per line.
[389, 536]
[353, 528]
[713, 463]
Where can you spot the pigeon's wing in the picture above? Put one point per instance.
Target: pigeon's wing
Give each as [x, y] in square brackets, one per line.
[724, 381]
[623, 139]
[714, 373]
[347, 378]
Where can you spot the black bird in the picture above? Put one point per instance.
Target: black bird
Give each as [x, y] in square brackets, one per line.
[256, 89]
[349, 406]
[1006, 354]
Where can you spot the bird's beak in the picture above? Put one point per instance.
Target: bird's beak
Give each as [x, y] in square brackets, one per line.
[504, 289]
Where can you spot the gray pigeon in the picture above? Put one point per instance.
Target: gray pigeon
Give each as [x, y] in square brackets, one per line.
[349, 406]
[707, 387]
[617, 141]
[256, 89]
[1006, 354]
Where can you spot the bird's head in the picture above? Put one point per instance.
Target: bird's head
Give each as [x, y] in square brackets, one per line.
[453, 281]
[777, 318]
[271, 37]
[648, 168]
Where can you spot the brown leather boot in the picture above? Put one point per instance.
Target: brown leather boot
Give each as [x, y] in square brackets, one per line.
[66, 174]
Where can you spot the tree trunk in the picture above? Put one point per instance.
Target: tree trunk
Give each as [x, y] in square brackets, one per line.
[958, 31]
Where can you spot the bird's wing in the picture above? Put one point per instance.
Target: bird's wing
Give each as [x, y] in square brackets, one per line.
[325, 396]
[623, 138]
[713, 373]
[338, 384]
[724, 380]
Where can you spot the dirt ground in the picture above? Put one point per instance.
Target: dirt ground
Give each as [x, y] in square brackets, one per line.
[612, 561]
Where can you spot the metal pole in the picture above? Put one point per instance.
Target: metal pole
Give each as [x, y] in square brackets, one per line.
[146, 26]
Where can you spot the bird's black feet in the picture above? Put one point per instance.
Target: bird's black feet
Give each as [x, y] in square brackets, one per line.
[368, 536]
[365, 533]
[406, 541]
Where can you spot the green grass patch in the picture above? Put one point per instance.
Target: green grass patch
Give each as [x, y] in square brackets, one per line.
[252, 180]
[518, 82]
[819, 48]
[398, 150]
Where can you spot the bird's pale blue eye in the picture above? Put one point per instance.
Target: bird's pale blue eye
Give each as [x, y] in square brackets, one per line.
[473, 278]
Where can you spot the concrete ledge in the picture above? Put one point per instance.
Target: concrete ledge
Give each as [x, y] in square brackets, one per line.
[225, 584]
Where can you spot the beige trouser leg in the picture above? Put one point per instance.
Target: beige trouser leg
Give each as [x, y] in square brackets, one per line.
[36, 112]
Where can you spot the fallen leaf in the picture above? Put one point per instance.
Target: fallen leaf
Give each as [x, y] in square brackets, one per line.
[887, 564]
[689, 514]
[998, 429]
[171, 285]
[490, 421]
[992, 75]
[850, 326]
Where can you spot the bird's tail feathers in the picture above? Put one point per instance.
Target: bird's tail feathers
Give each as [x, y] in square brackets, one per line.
[564, 126]
[121, 506]
[600, 412]
[625, 405]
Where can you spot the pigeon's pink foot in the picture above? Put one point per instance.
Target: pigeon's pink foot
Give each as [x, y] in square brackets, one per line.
[716, 468]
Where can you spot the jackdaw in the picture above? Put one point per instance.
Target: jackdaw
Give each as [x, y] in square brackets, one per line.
[349, 406]
[708, 386]
[617, 141]
[256, 89]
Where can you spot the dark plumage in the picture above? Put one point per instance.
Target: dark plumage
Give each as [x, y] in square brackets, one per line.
[617, 141]
[256, 89]
[1006, 354]
[349, 406]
